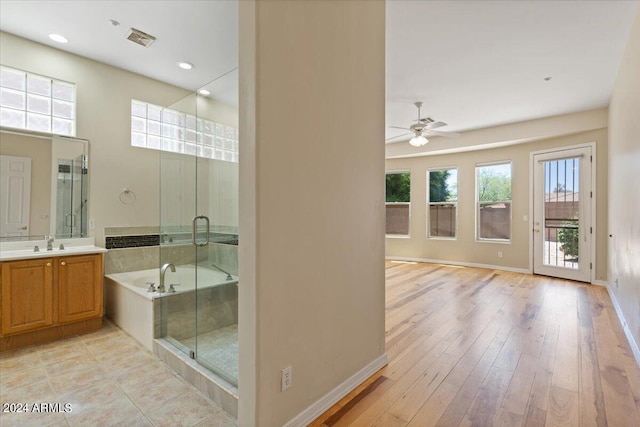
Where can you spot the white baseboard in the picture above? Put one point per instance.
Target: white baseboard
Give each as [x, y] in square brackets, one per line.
[600, 283]
[463, 264]
[312, 412]
[625, 327]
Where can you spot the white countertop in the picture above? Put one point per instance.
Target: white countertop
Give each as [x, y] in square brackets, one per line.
[23, 250]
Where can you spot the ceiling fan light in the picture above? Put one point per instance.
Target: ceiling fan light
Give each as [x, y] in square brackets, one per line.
[418, 141]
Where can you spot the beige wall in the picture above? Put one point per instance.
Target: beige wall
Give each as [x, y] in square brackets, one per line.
[312, 206]
[104, 96]
[624, 188]
[39, 151]
[465, 248]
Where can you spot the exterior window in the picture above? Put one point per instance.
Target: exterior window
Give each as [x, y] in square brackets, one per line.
[171, 130]
[443, 202]
[494, 202]
[33, 102]
[398, 206]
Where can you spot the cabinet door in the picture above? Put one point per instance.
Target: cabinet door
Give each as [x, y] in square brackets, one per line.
[27, 295]
[79, 288]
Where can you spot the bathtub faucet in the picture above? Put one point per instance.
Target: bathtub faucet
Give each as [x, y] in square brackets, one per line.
[225, 272]
[163, 270]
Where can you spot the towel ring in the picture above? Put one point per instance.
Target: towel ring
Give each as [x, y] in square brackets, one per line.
[127, 196]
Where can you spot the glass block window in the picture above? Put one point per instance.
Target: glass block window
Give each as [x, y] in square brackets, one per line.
[170, 130]
[39, 103]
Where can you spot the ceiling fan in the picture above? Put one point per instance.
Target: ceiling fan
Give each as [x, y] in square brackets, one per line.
[422, 129]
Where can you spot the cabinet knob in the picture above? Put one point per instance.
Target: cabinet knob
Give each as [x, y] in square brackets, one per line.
[48, 264]
[63, 263]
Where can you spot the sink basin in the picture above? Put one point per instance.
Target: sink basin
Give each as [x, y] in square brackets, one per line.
[11, 251]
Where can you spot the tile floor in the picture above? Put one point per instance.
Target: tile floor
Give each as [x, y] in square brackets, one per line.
[108, 379]
[218, 348]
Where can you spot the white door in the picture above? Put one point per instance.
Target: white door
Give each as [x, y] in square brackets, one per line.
[562, 228]
[15, 197]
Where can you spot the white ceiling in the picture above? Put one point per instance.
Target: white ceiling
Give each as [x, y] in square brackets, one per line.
[477, 64]
[204, 33]
[474, 64]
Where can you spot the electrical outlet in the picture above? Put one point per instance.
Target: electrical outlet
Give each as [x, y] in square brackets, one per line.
[499, 254]
[285, 378]
[92, 224]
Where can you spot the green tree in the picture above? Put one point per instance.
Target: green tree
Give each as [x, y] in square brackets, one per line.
[438, 189]
[569, 239]
[398, 187]
[493, 186]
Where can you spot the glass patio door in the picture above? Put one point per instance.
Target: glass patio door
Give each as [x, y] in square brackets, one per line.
[562, 229]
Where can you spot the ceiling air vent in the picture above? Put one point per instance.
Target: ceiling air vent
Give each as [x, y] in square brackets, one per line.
[140, 37]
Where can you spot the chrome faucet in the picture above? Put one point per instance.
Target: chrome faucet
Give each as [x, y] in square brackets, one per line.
[49, 240]
[163, 270]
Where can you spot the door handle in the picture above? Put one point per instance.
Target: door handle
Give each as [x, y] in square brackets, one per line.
[193, 231]
[537, 230]
[24, 227]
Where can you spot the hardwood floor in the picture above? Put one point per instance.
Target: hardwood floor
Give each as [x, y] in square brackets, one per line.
[477, 347]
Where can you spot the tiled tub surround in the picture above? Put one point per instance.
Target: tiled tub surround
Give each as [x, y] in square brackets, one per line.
[146, 258]
[146, 316]
[109, 380]
[131, 249]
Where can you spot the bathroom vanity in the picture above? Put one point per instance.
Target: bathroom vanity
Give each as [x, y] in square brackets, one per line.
[47, 295]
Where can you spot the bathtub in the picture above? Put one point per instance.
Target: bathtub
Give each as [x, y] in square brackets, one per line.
[130, 306]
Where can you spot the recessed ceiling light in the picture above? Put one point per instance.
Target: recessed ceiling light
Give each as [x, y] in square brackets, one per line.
[58, 38]
[204, 92]
[546, 79]
[114, 22]
[185, 65]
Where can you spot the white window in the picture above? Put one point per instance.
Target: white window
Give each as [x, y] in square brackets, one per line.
[493, 195]
[443, 202]
[398, 203]
[163, 129]
[38, 103]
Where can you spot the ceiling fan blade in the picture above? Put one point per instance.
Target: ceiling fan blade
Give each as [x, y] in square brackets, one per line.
[439, 133]
[434, 125]
[398, 127]
[398, 136]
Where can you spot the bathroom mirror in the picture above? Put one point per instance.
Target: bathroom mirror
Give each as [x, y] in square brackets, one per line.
[44, 186]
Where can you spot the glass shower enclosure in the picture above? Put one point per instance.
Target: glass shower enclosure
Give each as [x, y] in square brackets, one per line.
[198, 138]
[69, 187]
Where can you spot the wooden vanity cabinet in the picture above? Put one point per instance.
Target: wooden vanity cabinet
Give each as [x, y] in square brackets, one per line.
[27, 295]
[49, 298]
[79, 288]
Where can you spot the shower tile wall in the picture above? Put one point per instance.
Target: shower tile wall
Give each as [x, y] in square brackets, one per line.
[224, 256]
[144, 256]
[217, 308]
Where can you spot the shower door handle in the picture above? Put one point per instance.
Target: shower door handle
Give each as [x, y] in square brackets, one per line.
[193, 230]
